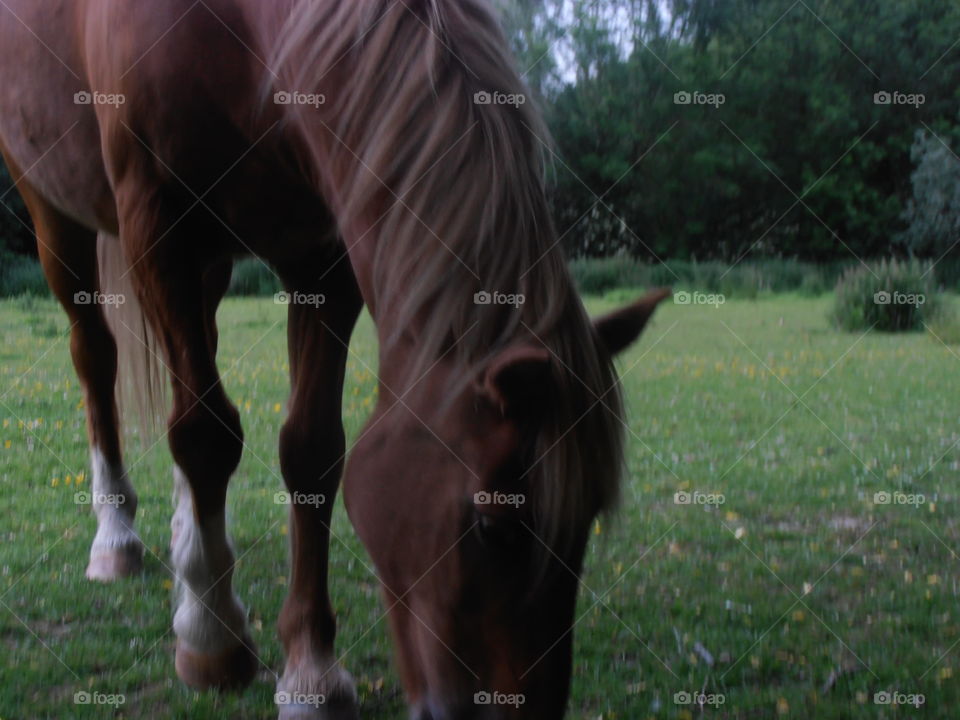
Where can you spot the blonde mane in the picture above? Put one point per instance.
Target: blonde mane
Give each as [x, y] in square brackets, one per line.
[400, 82]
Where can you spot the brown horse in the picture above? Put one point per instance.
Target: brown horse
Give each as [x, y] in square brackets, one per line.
[371, 152]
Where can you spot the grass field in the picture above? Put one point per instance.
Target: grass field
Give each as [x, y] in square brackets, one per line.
[798, 596]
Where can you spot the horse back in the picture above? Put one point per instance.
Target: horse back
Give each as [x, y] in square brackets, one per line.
[46, 130]
[94, 91]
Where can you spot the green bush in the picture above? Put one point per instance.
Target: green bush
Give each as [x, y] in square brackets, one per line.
[596, 276]
[746, 279]
[21, 275]
[948, 273]
[252, 276]
[813, 284]
[945, 329]
[890, 295]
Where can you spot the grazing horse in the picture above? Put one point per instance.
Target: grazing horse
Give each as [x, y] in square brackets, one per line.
[371, 152]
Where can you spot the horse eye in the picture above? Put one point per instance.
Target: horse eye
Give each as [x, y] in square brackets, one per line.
[498, 532]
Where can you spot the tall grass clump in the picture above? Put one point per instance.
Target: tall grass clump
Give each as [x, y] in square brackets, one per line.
[891, 295]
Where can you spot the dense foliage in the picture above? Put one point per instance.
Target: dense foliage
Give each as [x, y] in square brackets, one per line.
[801, 156]
[718, 129]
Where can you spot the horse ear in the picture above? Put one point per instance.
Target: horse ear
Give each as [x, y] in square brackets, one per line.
[620, 328]
[517, 380]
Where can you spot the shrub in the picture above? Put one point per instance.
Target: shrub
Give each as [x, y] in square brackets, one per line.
[252, 276]
[598, 275]
[21, 275]
[948, 273]
[745, 279]
[889, 295]
[945, 329]
[813, 283]
[595, 276]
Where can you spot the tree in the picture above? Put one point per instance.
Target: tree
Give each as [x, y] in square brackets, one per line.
[933, 213]
[798, 160]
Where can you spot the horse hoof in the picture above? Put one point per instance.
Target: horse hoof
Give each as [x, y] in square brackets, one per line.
[115, 563]
[337, 702]
[231, 669]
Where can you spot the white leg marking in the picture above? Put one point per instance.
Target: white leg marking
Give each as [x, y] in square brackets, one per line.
[209, 617]
[316, 675]
[316, 688]
[115, 505]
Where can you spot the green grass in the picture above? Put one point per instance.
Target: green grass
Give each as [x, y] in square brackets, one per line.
[712, 408]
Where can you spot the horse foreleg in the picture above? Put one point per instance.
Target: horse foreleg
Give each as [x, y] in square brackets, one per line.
[313, 685]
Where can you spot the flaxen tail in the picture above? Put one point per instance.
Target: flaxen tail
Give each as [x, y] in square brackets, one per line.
[141, 380]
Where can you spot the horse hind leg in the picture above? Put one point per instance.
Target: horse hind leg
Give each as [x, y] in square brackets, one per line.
[68, 254]
[214, 649]
[216, 282]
